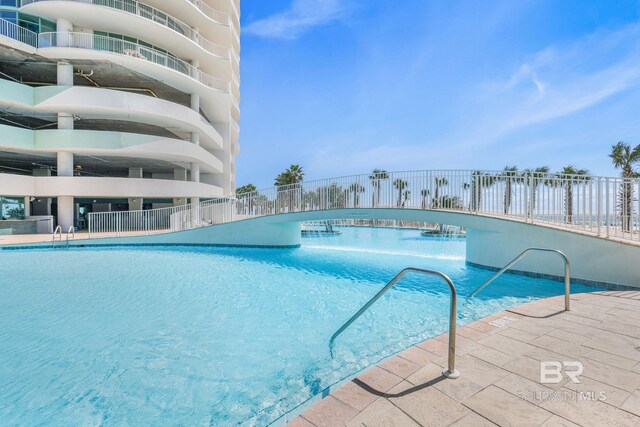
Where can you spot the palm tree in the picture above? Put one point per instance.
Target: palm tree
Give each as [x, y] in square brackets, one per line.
[510, 174]
[569, 174]
[479, 180]
[400, 185]
[356, 188]
[424, 193]
[536, 177]
[624, 157]
[288, 181]
[248, 188]
[406, 195]
[440, 182]
[294, 174]
[376, 178]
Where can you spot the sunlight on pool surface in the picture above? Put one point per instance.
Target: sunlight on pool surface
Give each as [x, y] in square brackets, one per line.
[219, 336]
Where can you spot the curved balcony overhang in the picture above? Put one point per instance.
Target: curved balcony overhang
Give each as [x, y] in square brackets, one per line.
[213, 23]
[107, 144]
[107, 103]
[215, 96]
[103, 187]
[103, 103]
[141, 21]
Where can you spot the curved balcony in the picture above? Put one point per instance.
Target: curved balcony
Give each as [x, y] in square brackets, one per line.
[16, 32]
[108, 144]
[83, 186]
[134, 50]
[148, 12]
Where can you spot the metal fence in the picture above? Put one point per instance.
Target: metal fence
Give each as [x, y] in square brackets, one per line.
[607, 207]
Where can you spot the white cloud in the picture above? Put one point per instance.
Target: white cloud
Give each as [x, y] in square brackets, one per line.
[555, 83]
[300, 17]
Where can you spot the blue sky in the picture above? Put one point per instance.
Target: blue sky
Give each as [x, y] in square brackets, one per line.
[344, 86]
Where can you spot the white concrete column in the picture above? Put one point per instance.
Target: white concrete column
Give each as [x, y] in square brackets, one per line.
[65, 78]
[65, 73]
[65, 212]
[195, 212]
[195, 106]
[195, 172]
[65, 203]
[135, 203]
[195, 71]
[135, 172]
[65, 164]
[195, 102]
[195, 138]
[63, 25]
[27, 206]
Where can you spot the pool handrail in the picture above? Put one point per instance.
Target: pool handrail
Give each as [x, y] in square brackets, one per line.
[72, 231]
[451, 371]
[58, 231]
[567, 273]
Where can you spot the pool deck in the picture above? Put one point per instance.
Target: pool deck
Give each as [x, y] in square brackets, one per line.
[500, 384]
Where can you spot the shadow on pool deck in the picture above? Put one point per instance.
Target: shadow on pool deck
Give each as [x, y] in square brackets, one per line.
[499, 358]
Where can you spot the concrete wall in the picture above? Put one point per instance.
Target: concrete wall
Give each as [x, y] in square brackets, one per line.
[242, 233]
[592, 258]
[491, 242]
[24, 226]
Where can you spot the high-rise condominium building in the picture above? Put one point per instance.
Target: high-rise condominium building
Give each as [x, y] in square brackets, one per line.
[117, 104]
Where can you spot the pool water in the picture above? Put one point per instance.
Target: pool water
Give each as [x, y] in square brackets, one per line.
[219, 336]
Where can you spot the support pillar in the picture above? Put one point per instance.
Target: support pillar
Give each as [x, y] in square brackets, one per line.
[195, 172]
[27, 206]
[65, 203]
[65, 212]
[195, 106]
[135, 172]
[135, 203]
[195, 212]
[65, 163]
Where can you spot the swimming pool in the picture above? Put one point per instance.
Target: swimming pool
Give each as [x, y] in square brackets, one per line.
[218, 336]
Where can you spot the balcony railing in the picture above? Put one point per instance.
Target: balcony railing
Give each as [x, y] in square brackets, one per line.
[145, 11]
[16, 32]
[210, 12]
[126, 48]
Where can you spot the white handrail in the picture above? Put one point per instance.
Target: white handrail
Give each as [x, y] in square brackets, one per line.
[605, 207]
[567, 273]
[58, 231]
[451, 371]
[71, 230]
[16, 32]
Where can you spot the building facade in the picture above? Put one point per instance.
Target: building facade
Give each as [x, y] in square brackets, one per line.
[116, 104]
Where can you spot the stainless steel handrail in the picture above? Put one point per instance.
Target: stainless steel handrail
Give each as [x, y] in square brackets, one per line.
[58, 230]
[567, 273]
[450, 372]
[71, 230]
